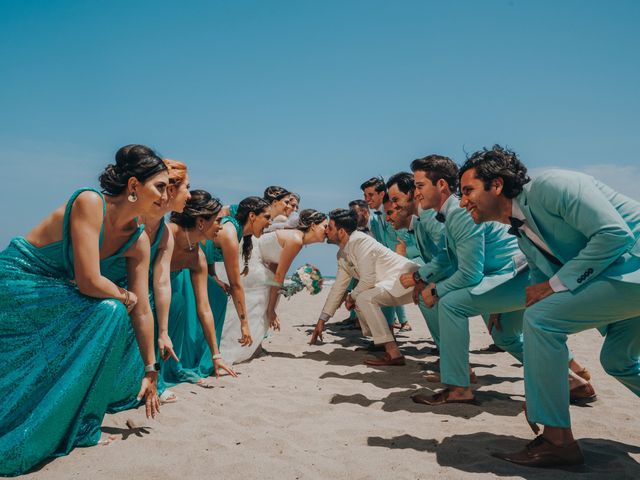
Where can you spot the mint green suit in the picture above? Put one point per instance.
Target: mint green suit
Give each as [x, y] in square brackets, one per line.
[423, 245]
[593, 231]
[384, 233]
[490, 276]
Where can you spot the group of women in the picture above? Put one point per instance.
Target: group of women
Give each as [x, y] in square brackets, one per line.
[104, 286]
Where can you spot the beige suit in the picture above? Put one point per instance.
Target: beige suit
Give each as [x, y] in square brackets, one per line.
[378, 271]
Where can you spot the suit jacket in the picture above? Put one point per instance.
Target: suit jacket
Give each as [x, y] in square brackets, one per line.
[590, 228]
[383, 231]
[372, 264]
[429, 238]
[481, 256]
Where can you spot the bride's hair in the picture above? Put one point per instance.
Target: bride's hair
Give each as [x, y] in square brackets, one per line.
[273, 194]
[201, 204]
[249, 205]
[309, 217]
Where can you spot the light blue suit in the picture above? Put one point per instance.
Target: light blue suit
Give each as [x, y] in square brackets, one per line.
[384, 233]
[423, 244]
[490, 276]
[593, 232]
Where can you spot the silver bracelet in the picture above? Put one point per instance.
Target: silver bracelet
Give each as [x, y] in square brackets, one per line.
[217, 356]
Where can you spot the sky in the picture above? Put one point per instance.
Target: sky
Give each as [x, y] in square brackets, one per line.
[315, 96]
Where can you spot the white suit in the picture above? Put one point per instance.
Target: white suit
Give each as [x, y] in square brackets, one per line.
[378, 271]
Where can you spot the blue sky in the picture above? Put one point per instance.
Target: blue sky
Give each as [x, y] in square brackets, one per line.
[312, 95]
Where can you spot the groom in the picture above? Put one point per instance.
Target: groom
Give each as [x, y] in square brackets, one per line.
[378, 270]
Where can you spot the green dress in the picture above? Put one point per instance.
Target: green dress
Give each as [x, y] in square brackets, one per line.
[61, 352]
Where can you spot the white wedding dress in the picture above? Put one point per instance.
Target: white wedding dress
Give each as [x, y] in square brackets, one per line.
[266, 251]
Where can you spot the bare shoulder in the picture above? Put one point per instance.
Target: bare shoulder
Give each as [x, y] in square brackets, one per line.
[140, 248]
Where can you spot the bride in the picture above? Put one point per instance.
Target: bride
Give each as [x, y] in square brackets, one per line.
[269, 264]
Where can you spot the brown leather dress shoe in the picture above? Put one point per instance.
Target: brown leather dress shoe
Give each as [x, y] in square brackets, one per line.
[582, 395]
[542, 453]
[385, 361]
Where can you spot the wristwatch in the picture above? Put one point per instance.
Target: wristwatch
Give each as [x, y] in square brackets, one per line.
[434, 292]
[154, 367]
[416, 277]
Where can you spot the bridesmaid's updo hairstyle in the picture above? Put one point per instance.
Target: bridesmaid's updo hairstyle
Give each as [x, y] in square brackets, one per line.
[309, 217]
[249, 205]
[201, 204]
[177, 171]
[131, 161]
[273, 194]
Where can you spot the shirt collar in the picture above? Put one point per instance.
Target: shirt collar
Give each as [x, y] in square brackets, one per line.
[449, 205]
[516, 211]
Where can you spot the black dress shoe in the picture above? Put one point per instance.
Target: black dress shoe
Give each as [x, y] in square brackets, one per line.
[542, 453]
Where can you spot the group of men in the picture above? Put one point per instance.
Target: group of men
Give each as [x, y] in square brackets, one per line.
[537, 259]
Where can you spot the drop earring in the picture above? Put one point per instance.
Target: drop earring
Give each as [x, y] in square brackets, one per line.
[133, 198]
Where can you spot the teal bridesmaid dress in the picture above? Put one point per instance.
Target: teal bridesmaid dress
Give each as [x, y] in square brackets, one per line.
[185, 330]
[61, 352]
[132, 370]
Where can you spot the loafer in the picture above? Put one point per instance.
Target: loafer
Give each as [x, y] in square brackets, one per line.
[542, 453]
[582, 395]
[385, 361]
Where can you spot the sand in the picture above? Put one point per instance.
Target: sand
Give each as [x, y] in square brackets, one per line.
[301, 411]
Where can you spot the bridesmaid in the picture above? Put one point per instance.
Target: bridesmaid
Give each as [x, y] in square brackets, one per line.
[279, 249]
[64, 324]
[279, 199]
[124, 395]
[195, 345]
[250, 220]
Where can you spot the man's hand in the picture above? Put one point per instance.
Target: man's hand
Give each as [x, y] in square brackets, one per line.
[406, 279]
[349, 303]
[401, 248]
[494, 321]
[417, 291]
[429, 299]
[535, 293]
[317, 332]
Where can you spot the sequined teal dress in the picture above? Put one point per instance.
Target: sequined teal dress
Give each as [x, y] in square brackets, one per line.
[61, 352]
[132, 370]
[185, 330]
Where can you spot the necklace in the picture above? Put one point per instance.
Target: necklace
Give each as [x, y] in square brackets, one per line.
[191, 245]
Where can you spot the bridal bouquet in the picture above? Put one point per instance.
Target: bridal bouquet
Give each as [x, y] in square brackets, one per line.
[307, 276]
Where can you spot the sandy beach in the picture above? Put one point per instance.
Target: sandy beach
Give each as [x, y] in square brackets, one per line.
[303, 412]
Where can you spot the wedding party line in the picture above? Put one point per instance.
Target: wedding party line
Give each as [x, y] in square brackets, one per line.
[142, 283]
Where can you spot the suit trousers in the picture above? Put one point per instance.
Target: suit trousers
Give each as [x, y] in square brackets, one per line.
[431, 318]
[601, 303]
[457, 306]
[372, 319]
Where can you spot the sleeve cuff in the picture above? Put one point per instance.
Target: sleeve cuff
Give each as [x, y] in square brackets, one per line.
[556, 284]
[324, 317]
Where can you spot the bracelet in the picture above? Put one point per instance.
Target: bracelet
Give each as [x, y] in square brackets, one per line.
[126, 296]
[152, 367]
[217, 356]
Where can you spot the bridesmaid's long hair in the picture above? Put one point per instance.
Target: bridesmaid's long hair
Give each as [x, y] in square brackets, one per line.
[136, 161]
[249, 205]
[201, 204]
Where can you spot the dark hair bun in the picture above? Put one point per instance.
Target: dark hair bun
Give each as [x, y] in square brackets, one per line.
[136, 161]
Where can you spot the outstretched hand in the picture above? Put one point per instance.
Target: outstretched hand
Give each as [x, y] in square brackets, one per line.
[165, 346]
[149, 390]
[317, 333]
[274, 321]
[245, 340]
[219, 364]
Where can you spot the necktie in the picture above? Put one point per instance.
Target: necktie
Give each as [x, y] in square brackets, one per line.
[516, 223]
[440, 217]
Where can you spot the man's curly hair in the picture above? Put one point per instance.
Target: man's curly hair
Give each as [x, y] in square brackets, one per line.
[498, 162]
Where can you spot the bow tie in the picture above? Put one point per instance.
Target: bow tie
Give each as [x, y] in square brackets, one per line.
[440, 217]
[377, 212]
[516, 223]
[410, 230]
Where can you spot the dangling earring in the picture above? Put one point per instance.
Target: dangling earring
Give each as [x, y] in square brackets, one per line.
[200, 227]
[133, 198]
